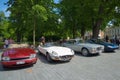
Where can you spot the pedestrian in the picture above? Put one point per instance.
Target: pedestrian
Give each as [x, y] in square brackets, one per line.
[42, 40]
[116, 40]
[11, 41]
[107, 38]
[6, 43]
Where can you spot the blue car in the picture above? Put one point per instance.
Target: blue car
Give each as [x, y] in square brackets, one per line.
[107, 46]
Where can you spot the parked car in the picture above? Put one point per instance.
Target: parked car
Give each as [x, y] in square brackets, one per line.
[85, 48]
[56, 53]
[107, 45]
[17, 55]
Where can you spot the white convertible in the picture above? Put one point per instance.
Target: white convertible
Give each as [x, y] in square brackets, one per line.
[56, 53]
[85, 48]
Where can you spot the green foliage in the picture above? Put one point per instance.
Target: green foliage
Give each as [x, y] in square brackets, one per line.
[5, 30]
[82, 15]
[31, 19]
[40, 11]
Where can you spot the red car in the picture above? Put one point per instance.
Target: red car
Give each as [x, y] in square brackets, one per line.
[18, 56]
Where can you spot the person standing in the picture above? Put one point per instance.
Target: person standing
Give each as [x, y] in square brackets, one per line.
[107, 38]
[11, 41]
[6, 43]
[42, 40]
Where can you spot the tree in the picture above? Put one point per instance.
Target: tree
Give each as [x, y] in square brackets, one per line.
[93, 13]
[24, 15]
[4, 26]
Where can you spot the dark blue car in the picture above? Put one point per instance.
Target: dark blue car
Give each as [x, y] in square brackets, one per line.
[107, 46]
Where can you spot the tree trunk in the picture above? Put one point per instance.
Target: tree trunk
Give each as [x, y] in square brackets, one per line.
[96, 28]
[73, 32]
[82, 32]
[18, 37]
[74, 28]
[97, 23]
[34, 26]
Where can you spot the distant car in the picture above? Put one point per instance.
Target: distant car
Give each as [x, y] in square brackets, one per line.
[56, 53]
[85, 48]
[107, 45]
[18, 55]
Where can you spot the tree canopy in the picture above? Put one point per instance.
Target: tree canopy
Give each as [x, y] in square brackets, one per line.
[31, 19]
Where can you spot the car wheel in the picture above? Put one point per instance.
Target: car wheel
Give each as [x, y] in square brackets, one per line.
[39, 52]
[85, 52]
[5, 67]
[48, 58]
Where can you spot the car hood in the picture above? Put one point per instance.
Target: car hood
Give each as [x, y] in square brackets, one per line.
[108, 44]
[90, 45]
[18, 52]
[61, 51]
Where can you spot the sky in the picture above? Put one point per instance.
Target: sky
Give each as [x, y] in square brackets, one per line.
[4, 7]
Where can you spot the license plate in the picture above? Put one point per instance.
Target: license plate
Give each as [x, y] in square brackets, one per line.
[20, 62]
[100, 51]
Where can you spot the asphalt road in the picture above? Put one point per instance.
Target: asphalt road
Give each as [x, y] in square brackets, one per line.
[105, 66]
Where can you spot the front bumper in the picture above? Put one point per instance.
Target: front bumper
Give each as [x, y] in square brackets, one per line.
[110, 49]
[19, 63]
[62, 58]
[96, 51]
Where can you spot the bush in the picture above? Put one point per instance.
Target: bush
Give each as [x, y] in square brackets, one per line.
[1, 45]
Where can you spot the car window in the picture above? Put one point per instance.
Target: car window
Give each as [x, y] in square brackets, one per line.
[90, 41]
[48, 44]
[71, 41]
[79, 41]
[100, 41]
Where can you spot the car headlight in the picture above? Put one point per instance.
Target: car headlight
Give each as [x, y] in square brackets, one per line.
[110, 46]
[72, 51]
[32, 55]
[54, 53]
[5, 58]
[93, 49]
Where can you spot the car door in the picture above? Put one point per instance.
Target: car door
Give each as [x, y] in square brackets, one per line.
[71, 44]
[42, 50]
[77, 47]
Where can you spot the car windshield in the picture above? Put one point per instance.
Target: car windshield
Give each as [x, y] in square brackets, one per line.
[49, 44]
[75, 41]
[98, 41]
[18, 45]
[79, 41]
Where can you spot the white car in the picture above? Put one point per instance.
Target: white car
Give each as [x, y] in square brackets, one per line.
[56, 53]
[85, 48]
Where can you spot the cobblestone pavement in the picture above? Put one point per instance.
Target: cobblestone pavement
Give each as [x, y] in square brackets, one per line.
[105, 66]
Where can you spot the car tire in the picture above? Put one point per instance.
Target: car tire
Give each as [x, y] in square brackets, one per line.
[39, 52]
[85, 52]
[5, 67]
[48, 58]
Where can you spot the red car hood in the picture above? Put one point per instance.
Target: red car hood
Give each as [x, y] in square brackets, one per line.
[18, 52]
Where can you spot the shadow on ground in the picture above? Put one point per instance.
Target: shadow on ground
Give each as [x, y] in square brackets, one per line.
[110, 52]
[91, 55]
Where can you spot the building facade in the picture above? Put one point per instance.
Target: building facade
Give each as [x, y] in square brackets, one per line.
[111, 32]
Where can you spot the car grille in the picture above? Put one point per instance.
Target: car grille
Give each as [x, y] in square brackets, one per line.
[66, 57]
[19, 58]
[99, 48]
